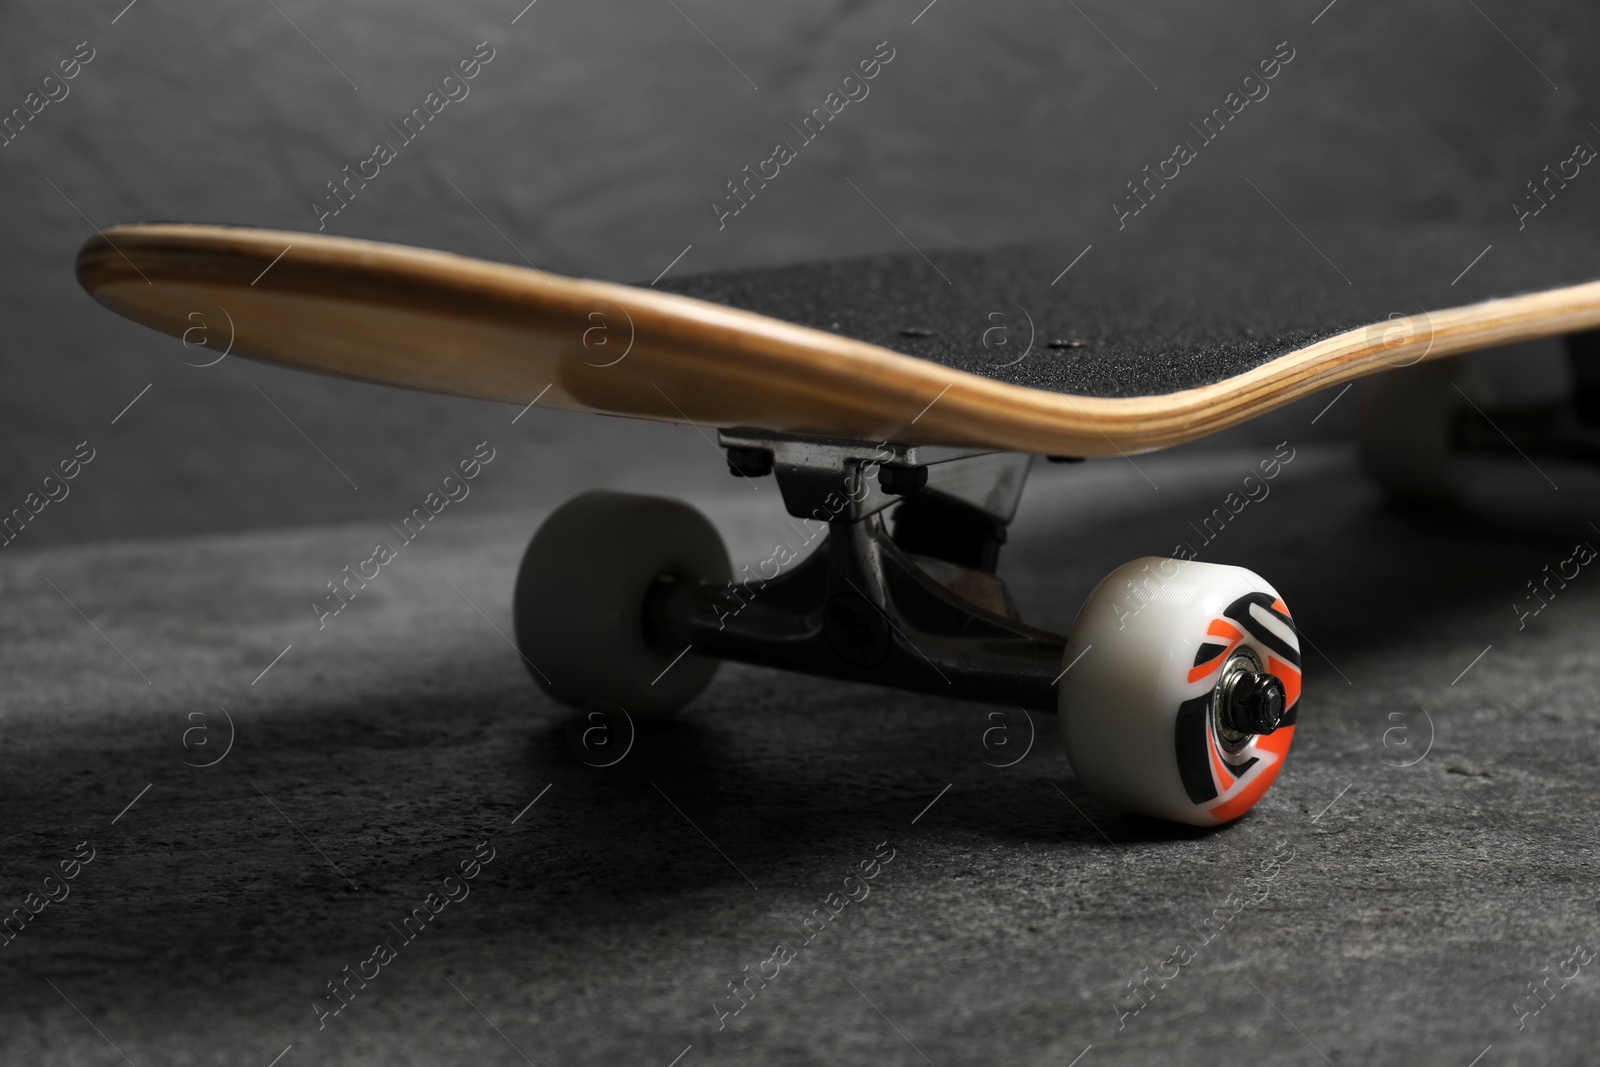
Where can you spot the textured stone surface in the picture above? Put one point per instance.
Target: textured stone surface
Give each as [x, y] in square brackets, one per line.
[1410, 908]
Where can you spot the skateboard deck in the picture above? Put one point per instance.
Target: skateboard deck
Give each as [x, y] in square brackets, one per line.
[1141, 342]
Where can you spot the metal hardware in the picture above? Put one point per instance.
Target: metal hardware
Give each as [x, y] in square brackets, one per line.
[833, 480]
[902, 481]
[1247, 701]
[927, 614]
[749, 462]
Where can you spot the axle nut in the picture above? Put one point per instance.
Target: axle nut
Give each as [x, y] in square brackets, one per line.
[1254, 703]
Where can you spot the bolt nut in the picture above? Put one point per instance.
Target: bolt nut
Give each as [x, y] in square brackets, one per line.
[1254, 703]
[749, 462]
[899, 481]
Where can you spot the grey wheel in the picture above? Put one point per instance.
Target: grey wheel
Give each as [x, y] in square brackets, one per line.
[581, 596]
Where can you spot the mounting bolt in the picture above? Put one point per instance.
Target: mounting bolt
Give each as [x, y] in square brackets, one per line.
[749, 462]
[900, 481]
[1253, 703]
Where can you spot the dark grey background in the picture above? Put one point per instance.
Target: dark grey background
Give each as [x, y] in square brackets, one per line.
[595, 142]
[1419, 904]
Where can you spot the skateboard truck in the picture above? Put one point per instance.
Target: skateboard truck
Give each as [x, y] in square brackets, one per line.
[1419, 425]
[919, 608]
[1176, 687]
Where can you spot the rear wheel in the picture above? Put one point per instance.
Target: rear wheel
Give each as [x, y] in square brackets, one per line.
[583, 589]
[1408, 427]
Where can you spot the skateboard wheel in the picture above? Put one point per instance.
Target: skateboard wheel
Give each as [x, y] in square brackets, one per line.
[1182, 690]
[581, 598]
[1407, 424]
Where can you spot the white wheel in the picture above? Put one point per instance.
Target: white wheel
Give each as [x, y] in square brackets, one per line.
[1183, 689]
[581, 596]
[1407, 427]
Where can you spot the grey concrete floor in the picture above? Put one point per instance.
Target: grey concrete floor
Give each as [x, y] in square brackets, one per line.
[1396, 914]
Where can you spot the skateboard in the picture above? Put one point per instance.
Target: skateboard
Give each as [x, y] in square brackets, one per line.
[897, 402]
